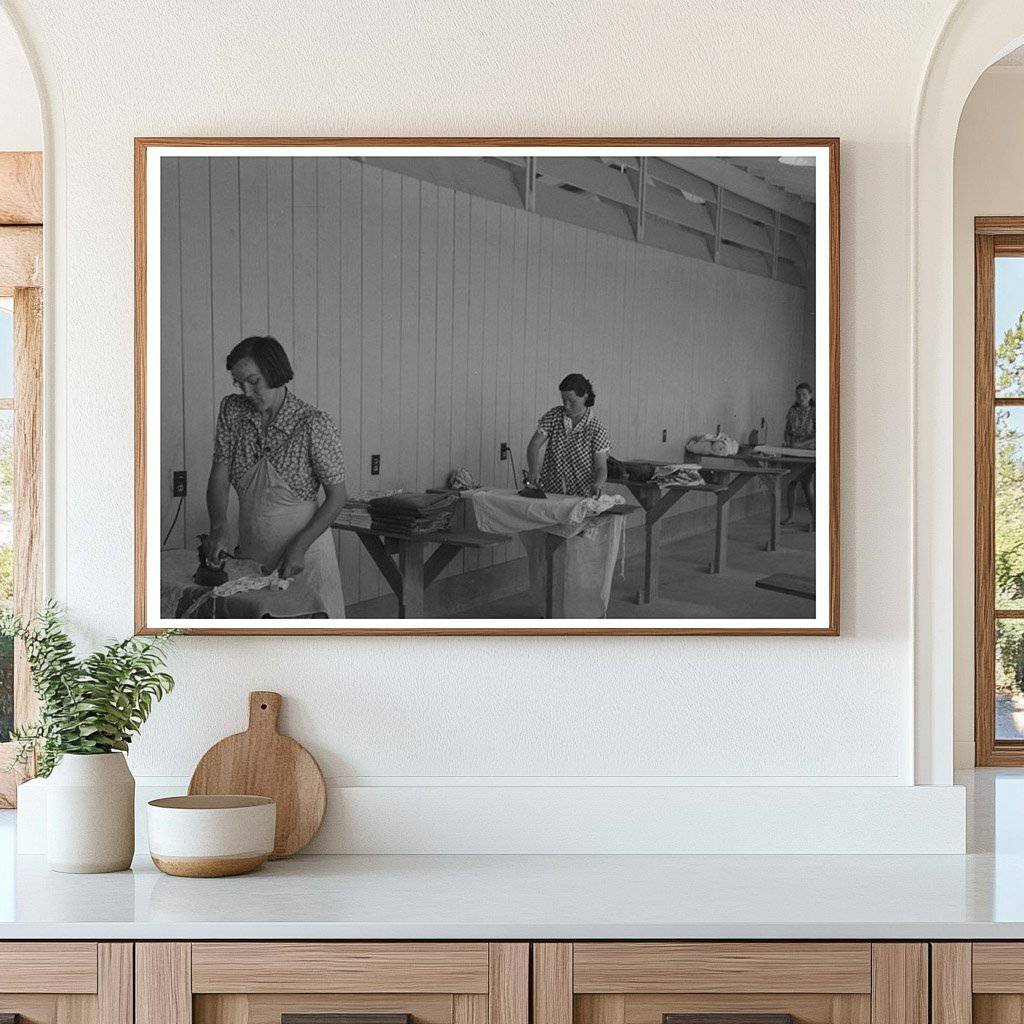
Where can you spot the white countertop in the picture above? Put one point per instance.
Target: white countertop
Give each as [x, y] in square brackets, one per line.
[539, 897]
[977, 896]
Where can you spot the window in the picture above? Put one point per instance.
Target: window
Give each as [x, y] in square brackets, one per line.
[999, 491]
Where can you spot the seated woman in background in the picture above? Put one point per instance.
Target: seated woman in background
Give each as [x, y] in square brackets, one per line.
[799, 433]
[278, 452]
[573, 443]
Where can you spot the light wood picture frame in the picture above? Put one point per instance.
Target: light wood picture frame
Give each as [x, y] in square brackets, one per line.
[695, 281]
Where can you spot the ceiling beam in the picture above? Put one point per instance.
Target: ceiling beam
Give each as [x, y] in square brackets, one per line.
[719, 172]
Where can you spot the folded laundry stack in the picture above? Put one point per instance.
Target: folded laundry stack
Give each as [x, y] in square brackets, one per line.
[355, 513]
[412, 512]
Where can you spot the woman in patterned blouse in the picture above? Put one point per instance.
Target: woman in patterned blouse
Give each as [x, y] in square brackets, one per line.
[800, 434]
[278, 452]
[573, 443]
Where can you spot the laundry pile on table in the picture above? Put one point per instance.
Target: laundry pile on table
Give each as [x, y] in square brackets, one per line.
[356, 511]
[682, 474]
[412, 512]
[713, 444]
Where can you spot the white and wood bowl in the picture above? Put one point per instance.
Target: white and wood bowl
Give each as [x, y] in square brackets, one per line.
[210, 836]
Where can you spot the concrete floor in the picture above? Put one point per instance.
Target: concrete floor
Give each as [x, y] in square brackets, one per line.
[688, 590]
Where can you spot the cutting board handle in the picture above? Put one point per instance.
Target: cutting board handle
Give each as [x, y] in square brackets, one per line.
[264, 710]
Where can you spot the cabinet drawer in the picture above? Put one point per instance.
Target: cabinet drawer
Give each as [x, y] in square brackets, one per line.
[721, 967]
[66, 982]
[67, 967]
[340, 967]
[332, 983]
[756, 982]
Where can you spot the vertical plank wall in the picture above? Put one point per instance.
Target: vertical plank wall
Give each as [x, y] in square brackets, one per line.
[433, 325]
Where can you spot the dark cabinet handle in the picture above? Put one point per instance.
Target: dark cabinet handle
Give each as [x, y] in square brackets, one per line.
[340, 1018]
[727, 1018]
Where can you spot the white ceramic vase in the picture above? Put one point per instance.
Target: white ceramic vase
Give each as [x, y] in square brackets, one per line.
[90, 814]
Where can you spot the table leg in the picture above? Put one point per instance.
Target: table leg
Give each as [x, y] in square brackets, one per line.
[652, 560]
[721, 532]
[554, 570]
[776, 496]
[410, 565]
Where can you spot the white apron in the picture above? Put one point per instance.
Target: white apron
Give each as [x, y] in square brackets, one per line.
[270, 514]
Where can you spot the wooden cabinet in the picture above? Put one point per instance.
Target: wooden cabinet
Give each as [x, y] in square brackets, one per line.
[315, 982]
[66, 982]
[980, 982]
[656, 982]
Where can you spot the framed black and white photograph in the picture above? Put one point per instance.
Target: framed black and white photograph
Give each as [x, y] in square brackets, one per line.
[510, 386]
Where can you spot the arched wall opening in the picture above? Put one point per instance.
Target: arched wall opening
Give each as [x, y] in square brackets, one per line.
[975, 36]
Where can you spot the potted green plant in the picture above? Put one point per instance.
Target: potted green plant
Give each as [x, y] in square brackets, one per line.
[89, 710]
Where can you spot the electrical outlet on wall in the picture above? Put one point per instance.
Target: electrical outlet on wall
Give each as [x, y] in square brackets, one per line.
[504, 451]
[664, 436]
[374, 465]
[179, 483]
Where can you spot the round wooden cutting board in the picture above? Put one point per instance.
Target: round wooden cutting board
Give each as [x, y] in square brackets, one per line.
[262, 762]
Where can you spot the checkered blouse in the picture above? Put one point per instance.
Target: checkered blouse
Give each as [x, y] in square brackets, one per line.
[568, 466]
[302, 443]
[800, 423]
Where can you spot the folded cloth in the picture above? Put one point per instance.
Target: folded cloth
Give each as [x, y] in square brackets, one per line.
[412, 503]
[427, 524]
[774, 452]
[713, 444]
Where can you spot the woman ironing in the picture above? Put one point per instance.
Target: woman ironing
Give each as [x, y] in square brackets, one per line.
[278, 453]
[573, 443]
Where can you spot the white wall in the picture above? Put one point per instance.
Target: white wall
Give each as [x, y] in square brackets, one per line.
[21, 125]
[988, 180]
[433, 325]
[817, 712]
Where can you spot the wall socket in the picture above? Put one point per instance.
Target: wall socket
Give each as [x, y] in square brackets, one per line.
[179, 483]
[664, 436]
[504, 451]
[374, 465]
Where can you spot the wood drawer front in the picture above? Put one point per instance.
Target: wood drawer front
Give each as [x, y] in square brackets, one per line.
[357, 967]
[998, 967]
[723, 967]
[68, 968]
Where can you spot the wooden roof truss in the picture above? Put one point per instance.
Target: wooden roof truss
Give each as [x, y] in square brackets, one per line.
[707, 208]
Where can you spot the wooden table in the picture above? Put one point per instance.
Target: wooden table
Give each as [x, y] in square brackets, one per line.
[656, 499]
[743, 472]
[414, 572]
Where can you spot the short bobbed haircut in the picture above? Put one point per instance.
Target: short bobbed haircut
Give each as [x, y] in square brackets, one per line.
[579, 385]
[268, 355]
